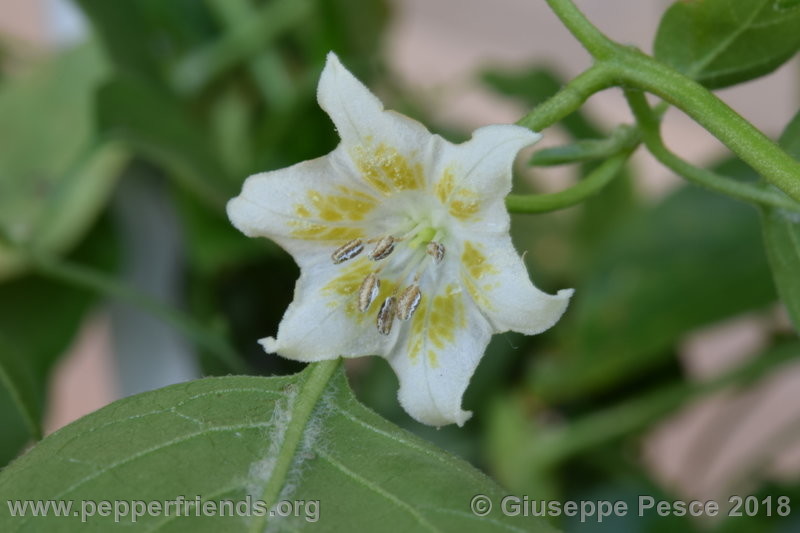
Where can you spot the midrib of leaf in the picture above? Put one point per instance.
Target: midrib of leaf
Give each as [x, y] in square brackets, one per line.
[307, 398]
[714, 53]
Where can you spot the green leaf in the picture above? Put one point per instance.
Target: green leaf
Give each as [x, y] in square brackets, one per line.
[694, 259]
[782, 237]
[223, 438]
[55, 176]
[724, 42]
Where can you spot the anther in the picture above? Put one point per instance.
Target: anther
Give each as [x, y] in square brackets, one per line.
[408, 302]
[384, 247]
[386, 316]
[435, 250]
[347, 251]
[368, 291]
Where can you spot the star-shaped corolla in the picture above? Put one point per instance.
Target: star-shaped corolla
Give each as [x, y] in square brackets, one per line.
[403, 244]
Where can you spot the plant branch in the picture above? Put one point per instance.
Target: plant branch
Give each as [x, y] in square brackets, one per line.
[584, 189]
[631, 68]
[570, 98]
[650, 127]
[589, 36]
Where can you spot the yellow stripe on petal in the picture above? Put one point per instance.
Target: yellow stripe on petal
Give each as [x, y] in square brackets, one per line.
[387, 170]
[475, 261]
[477, 266]
[437, 321]
[461, 202]
[465, 207]
[349, 206]
[444, 187]
[320, 232]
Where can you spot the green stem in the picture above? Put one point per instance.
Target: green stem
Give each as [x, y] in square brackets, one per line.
[589, 36]
[633, 68]
[649, 125]
[746, 141]
[317, 377]
[586, 188]
[81, 276]
[570, 98]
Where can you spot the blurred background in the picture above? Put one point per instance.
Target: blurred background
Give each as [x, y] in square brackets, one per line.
[126, 126]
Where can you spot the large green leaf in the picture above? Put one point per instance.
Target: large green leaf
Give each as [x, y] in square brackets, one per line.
[55, 176]
[223, 438]
[694, 259]
[724, 42]
[782, 237]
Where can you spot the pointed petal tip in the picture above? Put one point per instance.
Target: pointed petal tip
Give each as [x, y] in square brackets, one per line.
[565, 294]
[431, 415]
[270, 344]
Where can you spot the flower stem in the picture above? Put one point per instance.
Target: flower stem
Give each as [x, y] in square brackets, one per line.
[586, 188]
[743, 139]
[99, 282]
[629, 67]
[649, 125]
[317, 377]
[569, 98]
[576, 22]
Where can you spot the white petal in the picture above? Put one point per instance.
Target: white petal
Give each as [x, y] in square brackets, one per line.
[476, 175]
[498, 282]
[434, 366]
[315, 204]
[370, 134]
[317, 324]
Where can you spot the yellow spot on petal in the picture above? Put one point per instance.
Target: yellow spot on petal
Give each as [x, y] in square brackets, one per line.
[435, 323]
[477, 267]
[461, 202]
[348, 205]
[387, 170]
[475, 261]
[323, 232]
[444, 187]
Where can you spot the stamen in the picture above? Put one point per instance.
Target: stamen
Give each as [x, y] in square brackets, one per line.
[408, 302]
[382, 250]
[386, 316]
[347, 251]
[368, 291]
[435, 250]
